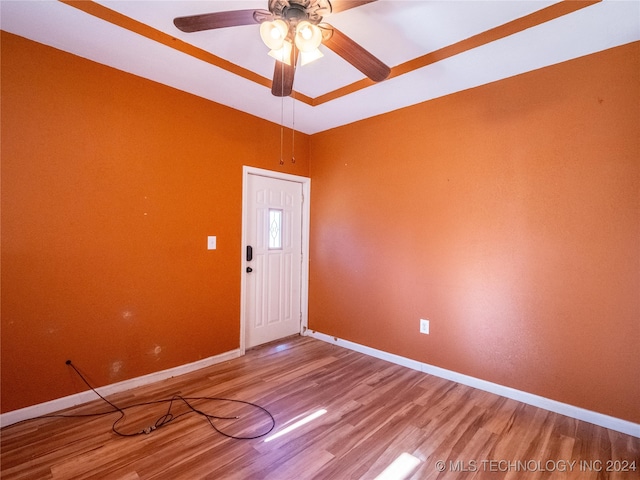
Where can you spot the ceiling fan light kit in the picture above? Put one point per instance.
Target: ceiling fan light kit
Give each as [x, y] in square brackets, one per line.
[308, 36]
[294, 23]
[283, 54]
[274, 33]
[308, 57]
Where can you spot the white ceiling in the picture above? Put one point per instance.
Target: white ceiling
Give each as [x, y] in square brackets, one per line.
[396, 31]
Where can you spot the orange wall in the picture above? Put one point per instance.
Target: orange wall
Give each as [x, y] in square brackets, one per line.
[509, 216]
[110, 186]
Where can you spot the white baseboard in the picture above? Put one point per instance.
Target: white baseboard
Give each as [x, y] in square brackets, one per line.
[58, 404]
[572, 411]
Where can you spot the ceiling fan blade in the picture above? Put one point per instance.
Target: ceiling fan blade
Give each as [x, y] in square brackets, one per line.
[355, 54]
[209, 21]
[283, 75]
[342, 5]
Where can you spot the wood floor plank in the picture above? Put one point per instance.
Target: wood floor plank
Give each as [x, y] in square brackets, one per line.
[375, 411]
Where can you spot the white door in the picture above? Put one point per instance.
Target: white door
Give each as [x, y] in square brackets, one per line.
[273, 259]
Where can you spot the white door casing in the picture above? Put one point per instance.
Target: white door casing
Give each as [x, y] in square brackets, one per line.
[275, 281]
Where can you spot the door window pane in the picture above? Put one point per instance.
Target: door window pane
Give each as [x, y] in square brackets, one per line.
[275, 229]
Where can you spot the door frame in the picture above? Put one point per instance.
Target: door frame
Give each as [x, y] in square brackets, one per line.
[304, 267]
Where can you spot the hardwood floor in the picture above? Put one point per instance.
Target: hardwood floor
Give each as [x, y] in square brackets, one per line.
[375, 411]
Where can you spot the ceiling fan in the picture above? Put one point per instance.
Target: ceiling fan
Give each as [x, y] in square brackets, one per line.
[293, 28]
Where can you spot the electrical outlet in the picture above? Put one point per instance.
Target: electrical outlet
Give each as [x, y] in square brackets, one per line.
[424, 326]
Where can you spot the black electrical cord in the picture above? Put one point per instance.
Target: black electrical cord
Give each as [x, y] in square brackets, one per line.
[115, 408]
[167, 417]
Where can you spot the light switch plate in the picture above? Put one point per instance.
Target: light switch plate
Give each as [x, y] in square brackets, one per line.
[424, 326]
[211, 243]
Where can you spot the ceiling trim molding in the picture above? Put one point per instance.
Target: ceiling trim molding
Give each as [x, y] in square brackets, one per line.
[103, 13]
[515, 26]
[510, 28]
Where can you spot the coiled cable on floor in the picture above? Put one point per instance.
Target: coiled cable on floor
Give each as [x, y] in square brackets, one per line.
[168, 417]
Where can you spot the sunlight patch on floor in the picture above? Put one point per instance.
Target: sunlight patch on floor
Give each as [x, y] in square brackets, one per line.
[400, 468]
[299, 423]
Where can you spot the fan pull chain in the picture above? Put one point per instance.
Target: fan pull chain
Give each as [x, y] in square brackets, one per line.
[292, 95]
[293, 130]
[293, 110]
[281, 131]
[281, 112]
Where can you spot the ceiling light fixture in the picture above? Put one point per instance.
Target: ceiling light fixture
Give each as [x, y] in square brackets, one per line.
[282, 54]
[308, 57]
[274, 33]
[308, 39]
[306, 36]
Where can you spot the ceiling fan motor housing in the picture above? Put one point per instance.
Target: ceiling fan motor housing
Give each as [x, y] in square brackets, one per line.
[294, 11]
